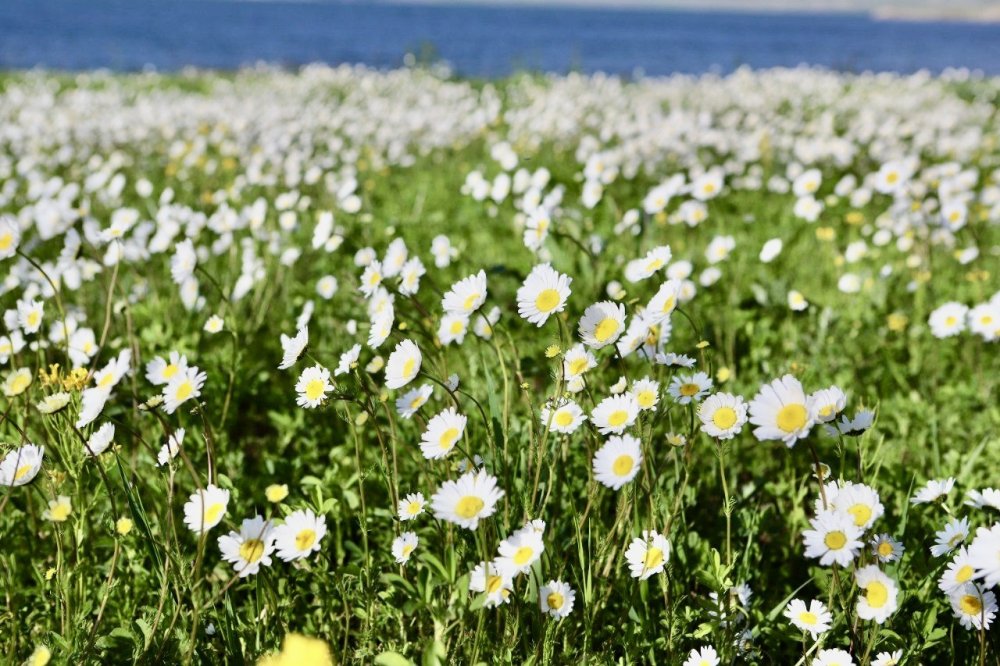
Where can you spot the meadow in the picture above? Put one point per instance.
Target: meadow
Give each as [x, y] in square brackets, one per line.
[348, 366]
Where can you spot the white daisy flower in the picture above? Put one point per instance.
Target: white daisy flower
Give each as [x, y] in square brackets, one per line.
[577, 360]
[703, 656]
[300, 535]
[879, 599]
[948, 320]
[834, 538]
[781, 411]
[832, 657]
[618, 461]
[953, 535]
[453, 328]
[206, 508]
[159, 371]
[100, 440]
[29, 315]
[347, 360]
[974, 607]
[371, 278]
[468, 500]
[490, 579]
[933, 491]
[814, 618]
[410, 402]
[442, 433]
[615, 413]
[403, 546]
[411, 506]
[984, 554]
[648, 554]
[183, 387]
[859, 501]
[565, 418]
[664, 302]
[647, 393]
[312, 387]
[543, 293]
[403, 364]
[685, 389]
[21, 465]
[249, 548]
[519, 551]
[602, 323]
[171, 448]
[886, 548]
[722, 415]
[292, 348]
[556, 599]
[827, 403]
[887, 658]
[465, 296]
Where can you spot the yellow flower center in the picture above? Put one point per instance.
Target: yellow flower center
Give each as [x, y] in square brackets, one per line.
[547, 300]
[964, 574]
[708, 188]
[213, 511]
[835, 540]
[407, 549]
[60, 512]
[375, 279]
[523, 555]
[469, 506]
[724, 418]
[971, 604]
[408, 367]
[493, 583]
[885, 549]
[6, 241]
[107, 380]
[33, 318]
[618, 417]
[805, 617]
[577, 366]
[251, 550]
[792, 418]
[862, 513]
[689, 389]
[413, 508]
[448, 438]
[470, 300]
[305, 539]
[891, 177]
[22, 472]
[605, 329]
[877, 594]
[555, 600]
[564, 418]
[417, 402]
[623, 464]
[170, 370]
[654, 265]
[185, 390]
[668, 305]
[646, 398]
[654, 558]
[457, 326]
[314, 389]
[951, 321]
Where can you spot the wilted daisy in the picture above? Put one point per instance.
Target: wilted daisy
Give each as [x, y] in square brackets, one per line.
[618, 461]
[780, 411]
[403, 546]
[615, 413]
[21, 465]
[703, 656]
[974, 607]
[300, 535]
[292, 348]
[827, 403]
[466, 295]
[467, 500]
[556, 599]
[249, 548]
[834, 538]
[565, 418]
[411, 506]
[403, 364]
[491, 579]
[814, 618]
[602, 323]
[722, 415]
[312, 386]
[442, 433]
[879, 599]
[100, 440]
[543, 294]
[206, 508]
[832, 657]
[520, 550]
[953, 535]
[886, 548]
[171, 448]
[933, 491]
[685, 389]
[183, 387]
[648, 554]
[411, 401]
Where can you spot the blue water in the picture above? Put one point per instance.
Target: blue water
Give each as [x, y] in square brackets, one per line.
[477, 41]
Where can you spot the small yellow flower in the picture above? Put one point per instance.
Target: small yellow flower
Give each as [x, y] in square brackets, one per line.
[525, 386]
[402, 326]
[825, 233]
[552, 351]
[299, 650]
[50, 377]
[723, 374]
[123, 526]
[75, 379]
[50, 573]
[897, 322]
[855, 217]
[276, 492]
[703, 344]
[41, 656]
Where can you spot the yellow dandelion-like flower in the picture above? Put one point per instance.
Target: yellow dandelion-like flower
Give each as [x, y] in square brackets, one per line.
[276, 492]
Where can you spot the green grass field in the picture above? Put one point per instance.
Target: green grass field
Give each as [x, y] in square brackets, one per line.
[98, 563]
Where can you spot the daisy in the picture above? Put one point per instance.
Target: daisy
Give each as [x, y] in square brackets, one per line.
[827, 403]
[556, 599]
[17, 382]
[834, 538]
[489, 578]
[465, 501]
[577, 360]
[719, 249]
[403, 546]
[988, 497]
[183, 387]
[466, 295]
[685, 389]
[411, 506]
[933, 491]
[670, 359]
[954, 534]
[984, 554]
[615, 413]
[641, 269]
[796, 301]
[887, 658]
[159, 371]
[781, 412]
[409, 281]
[832, 657]
[618, 461]
[565, 418]
[722, 415]
[814, 618]
[543, 293]
[410, 402]
[960, 571]
[703, 656]
[300, 535]
[483, 324]
[646, 392]
[292, 348]
[371, 279]
[347, 360]
[51, 404]
[59, 509]
[453, 328]
[312, 387]
[171, 448]
[215, 324]
[664, 302]
[648, 554]
[519, 551]
[326, 287]
[948, 320]
[974, 608]
[100, 440]
[249, 548]
[381, 326]
[879, 600]
[10, 236]
[771, 249]
[206, 509]
[442, 433]
[859, 501]
[403, 364]
[21, 465]
[886, 548]
[29, 315]
[602, 323]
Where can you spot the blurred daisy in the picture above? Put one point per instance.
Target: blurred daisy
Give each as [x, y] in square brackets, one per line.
[556, 599]
[249, 548]
[292, 348]
[827, 403]
[887, 658]
[948, 320]
[953, 535]
[466, 501]
[183, 387]
[59, 509]
[29, 315]
[466, 295]
[21, 465]
[347, 360]
[984, 554]
[647, 555]
[543, 294]
[215, 324]
[664, 302]
[160, 371]
[410, 402]
[403, 546]
[17, 382]
[618, 461]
